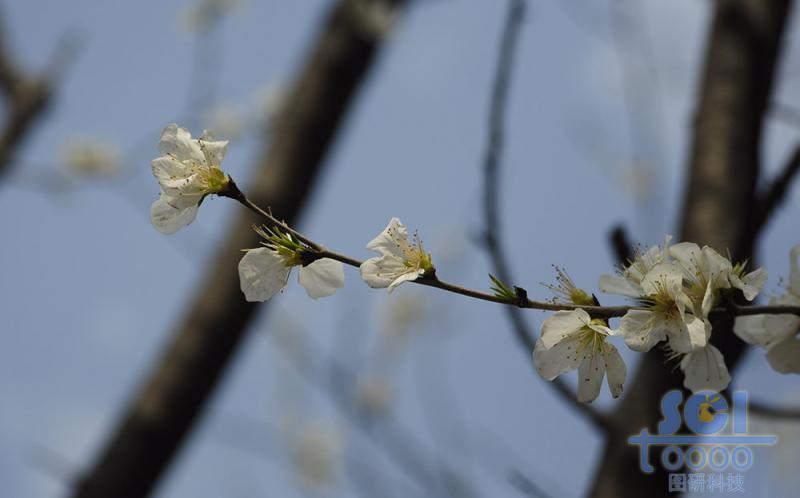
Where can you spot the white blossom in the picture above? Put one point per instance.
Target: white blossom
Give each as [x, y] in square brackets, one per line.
[187, 172]
[629, 281]
[667, 317]
[263, 272]
[570, 340]
[398, 261]
[705, 271]
[704, 368]
[751, 283]
[777, 333]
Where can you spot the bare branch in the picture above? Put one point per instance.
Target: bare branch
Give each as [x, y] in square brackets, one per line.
[176, 391]
[491, 194]
[740, 65]
[27, 99]
[773, 196]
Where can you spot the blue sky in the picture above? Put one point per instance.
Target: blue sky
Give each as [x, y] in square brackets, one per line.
[89, 290]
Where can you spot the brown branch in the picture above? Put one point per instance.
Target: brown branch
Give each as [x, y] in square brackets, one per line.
[774, 195]
[740, 64]
[203, 344]
[317, 251]
[491, 201]
[27, 99]
[773, 412]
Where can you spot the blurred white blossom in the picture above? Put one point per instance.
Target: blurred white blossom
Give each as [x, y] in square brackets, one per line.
[317, 449]
[226, 121]
[374, 394]
[203, 15]
[91, 158]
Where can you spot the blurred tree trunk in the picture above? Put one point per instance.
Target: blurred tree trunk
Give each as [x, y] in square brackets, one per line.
[204, 342]
[740, 64]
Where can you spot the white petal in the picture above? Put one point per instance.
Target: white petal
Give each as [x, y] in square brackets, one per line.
[780, 327]
[404, 277]
[169, 171]
[561, 358]
[687, 254]
[638, 329]
[663, 274]
[590, 378]
[561, 325]
[750, 284]
[688, 335]
[322, 277]
[751, 329]
[716, 268]
[214, 149]
[169, 219]
[616, 371]
[393, 240]
[177, 142]
[613, 284]
[262, 274]
[784, 356]
[705, 368]
[381, 271]
[794, 273]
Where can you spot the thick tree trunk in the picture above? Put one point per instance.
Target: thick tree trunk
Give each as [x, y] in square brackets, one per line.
[741, 60]
[177, 389]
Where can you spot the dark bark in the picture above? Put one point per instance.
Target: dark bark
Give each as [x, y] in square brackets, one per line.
[176, 391]
[740, 64]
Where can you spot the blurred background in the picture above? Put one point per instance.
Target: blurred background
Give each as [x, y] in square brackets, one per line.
[350, 395]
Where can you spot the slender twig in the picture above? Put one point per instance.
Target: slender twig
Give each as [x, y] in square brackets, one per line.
[773, 196]
[491, 193]
[319, 251]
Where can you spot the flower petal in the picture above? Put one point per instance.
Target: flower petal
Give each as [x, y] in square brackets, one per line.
[750, 284]
[613, 284]
[404, 277]
[169, 219]
[379, 272]
[590, 378]
[562, 325]
[637, 327]
[704, 368]
[561, 358]
[784, 356]
[262, 274]
[214, 149]
[751, 329]
[177, 142]
[322, 277]
[393, 240]
[616, 371]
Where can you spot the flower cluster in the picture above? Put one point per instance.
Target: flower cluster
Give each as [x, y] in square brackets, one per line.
[777, 334]
[676, 286]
